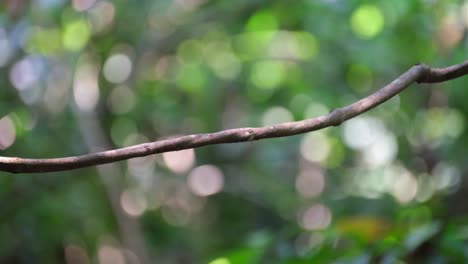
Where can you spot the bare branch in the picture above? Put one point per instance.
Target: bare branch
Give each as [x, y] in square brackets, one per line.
[419, 73]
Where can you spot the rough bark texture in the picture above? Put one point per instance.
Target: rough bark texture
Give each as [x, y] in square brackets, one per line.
[419, 73]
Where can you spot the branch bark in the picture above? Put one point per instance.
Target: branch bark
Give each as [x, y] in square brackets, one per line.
[419, 73]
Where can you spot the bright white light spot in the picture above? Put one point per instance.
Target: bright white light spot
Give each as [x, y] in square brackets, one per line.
[315, 217]
[275, 115]
[315, 147]
[110, 255]
[82, 5]
[7, 132]
[117, 68]
[85, 87]
[383, 150]
[179, 161]
[206, 180]
[25, 73]
[405, 187]
[310, 183]
[121, 100]
[133, 202]
[360, 132]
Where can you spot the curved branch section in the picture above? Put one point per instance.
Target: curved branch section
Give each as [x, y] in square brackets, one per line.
[419, 73]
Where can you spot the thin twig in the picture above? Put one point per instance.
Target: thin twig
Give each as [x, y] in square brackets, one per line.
[419, 73]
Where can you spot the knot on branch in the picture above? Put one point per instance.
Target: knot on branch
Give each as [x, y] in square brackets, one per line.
[336, 117]
[426, 73]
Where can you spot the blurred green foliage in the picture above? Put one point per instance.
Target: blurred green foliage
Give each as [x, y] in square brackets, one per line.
[85, 75]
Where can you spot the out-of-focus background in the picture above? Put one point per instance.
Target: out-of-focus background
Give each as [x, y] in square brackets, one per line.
[86, 75]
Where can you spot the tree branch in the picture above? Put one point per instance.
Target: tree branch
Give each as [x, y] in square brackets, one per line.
[419, 73]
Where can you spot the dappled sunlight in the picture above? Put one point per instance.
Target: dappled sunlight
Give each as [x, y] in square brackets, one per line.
[206, 180]
[89, 82]
[179, 161]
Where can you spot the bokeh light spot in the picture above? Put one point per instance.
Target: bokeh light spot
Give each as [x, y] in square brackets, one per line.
[293, 45]
[7, 132]
[315, 217]
[76, 35]
[82, 5]
[275, 115]
[121, 100]
[85, 87]
[360, 132]
[310, 182]
[191, 78]
[26, 73]
[220, 261]
[179, 161]
[45, 41]
[117, 68]
[133, 202]
[110, 255]
[315, 147]
[206, 180]
[367, 21]
[405, 187]
[268, 74]
[262, 20]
